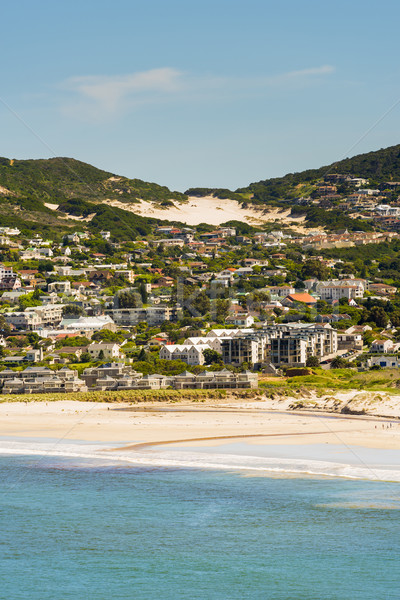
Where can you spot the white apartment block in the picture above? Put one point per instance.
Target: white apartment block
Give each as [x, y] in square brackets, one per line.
[192, 354]
[153, 315]
[24, 320]
[280, 290]
[337, 291]
[107, 351]
[213, 342]
[292, 344]
[5, 272]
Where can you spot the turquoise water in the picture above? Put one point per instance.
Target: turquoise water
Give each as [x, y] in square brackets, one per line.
[90, 531]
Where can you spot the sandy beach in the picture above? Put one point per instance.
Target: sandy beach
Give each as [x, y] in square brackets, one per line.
[190, 424]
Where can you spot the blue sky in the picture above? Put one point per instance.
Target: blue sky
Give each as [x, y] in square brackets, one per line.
[186, 93]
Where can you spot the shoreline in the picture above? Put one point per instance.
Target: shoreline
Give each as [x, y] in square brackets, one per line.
[211, 422]
[243, 437]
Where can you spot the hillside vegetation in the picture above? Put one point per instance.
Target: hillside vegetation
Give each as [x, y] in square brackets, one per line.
[380, 166]
[57, 179]
[79, 190]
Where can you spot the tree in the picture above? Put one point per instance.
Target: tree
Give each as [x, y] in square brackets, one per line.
[314, 268]
[142, 355]
[129, 299]
[5, 329]
[379, 316]
[106, 335]
[312, 361]
[221, 309]
[143, 292]
[73, 310]
[45, 265]
[339, 363]
[211, 356]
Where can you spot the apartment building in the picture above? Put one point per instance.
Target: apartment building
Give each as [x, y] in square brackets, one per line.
[192, 354]
[293, 343]
[153, 315]
[117, 376]
[40, 380]
[27, 320]
[289, 349]
[250, 348]
[104, 350]
[346, 288]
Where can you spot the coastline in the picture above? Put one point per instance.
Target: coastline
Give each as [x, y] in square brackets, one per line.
[257, 437]
[188, 423]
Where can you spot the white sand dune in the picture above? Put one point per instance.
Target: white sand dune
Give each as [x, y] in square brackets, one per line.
[207, 209]
[210, 210]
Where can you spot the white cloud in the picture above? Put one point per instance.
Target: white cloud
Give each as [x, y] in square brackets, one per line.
[100, 97]
[302, 74]
[110, 94]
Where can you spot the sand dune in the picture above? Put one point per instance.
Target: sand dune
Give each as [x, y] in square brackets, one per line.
[210, 210]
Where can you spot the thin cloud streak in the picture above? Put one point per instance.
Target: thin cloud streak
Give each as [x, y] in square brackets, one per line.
[108, 93]
[100, 97]
[303, 74]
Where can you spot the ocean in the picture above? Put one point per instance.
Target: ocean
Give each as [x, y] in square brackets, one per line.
[76, 526]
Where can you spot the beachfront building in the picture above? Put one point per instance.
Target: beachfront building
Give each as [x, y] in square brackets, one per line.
[383, 361]
[117, 376]
[289, 349]
[41, 380]
[250, 348]
[192, 354]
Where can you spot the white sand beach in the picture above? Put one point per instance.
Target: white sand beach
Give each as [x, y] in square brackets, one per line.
[209, 423]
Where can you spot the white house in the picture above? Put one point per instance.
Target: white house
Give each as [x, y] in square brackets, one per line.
[108, 350]
[381, 346]
[240, 320]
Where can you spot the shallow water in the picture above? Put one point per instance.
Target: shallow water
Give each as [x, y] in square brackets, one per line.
[80, 527]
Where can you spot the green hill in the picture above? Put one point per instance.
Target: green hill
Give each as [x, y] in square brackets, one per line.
[78, 189]
[57, 179]
[380, 166]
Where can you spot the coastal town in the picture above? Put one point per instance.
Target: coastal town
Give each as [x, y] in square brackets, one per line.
[202, 307]
[200, 301]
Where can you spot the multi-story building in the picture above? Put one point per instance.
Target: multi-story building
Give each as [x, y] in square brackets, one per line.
[250, 348]
[24, 320]
[334, 290]
[39, 380]
[117, 376]
[293, 343]
[153, 315]
[192, 354]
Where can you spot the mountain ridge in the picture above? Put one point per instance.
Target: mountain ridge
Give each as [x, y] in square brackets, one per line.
[48, 194]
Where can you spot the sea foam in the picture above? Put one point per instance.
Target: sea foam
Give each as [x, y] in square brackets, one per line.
[98, 454]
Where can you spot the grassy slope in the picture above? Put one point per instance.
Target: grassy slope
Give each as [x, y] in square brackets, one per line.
[380, 166]
[59, 179]
[133, 396]
[387, 380]
[78, 189]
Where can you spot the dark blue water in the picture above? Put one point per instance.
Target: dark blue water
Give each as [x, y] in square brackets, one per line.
[107, 533]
